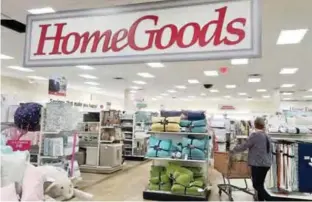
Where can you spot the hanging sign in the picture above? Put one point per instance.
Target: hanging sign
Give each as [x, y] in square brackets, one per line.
[57, 86]
[149, 32]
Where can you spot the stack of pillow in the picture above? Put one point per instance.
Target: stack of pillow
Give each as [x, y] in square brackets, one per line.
[166, 124]
[177, 179]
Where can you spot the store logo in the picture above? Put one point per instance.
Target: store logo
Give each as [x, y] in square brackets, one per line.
[215, 32]
[308, 158]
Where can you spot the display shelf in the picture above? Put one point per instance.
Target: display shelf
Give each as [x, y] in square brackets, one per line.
[173, 159]
[293, 196]
[100, 169]
[177, 133]
[168, 196]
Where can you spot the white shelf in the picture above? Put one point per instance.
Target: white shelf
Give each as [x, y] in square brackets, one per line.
[292, 195]
[180, 160]
[128, 140]
[178, 133]
[88, 132]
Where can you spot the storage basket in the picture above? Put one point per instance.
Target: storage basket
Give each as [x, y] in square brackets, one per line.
[229, 167]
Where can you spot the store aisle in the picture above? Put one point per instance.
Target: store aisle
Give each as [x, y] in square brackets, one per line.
[128, 186]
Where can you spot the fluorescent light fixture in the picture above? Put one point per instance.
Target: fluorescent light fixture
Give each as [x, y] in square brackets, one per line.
[254, 80]
[145, 75]
[287, 98]
[227, 96]
[171, 91]
[242, 61]
[139, 82]
[288, 70]
[310, 90]
[291, 36]
[193, 81]
[191, 96]
[37, 78]
[132, 91]
[230, 86]
[88, 76]
[85, 67]
[249, 99]
[287, 93]
[307, 96]
[180, 87]
[211, 73]
[203, 94]
[242, 93]
[156, 65]
[92, 83]
[287, 85]
[266, 96]
[41, 10]
[214, 91]
[5, 57]
[22, 69]
[135, 87]
[164, 94]
[261, 90]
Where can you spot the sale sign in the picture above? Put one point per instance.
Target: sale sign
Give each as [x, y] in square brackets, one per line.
[19, 145]
[158, 31]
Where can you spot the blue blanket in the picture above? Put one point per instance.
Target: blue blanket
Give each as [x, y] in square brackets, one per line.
[159, 147]
[194, 148]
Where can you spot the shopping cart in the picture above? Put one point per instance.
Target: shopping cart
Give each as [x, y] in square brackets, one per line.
[231, 168]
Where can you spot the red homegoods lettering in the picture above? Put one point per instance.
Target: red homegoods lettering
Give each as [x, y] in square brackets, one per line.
[104, 41]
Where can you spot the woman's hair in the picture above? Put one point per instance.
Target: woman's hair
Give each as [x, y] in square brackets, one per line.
[259, 123]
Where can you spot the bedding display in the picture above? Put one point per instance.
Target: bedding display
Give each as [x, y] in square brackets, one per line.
[291, 171]
[177, 179]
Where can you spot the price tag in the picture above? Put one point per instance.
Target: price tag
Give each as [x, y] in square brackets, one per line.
[19, 145]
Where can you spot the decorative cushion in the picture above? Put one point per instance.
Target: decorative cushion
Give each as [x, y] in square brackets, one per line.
[8, 193]
[27, 116]
[33, 184]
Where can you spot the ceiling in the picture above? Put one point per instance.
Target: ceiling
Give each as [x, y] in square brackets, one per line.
[277, 15]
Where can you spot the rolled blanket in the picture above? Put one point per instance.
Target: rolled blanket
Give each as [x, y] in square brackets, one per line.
[158, 148]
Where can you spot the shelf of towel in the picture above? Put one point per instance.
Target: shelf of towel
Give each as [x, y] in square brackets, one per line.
[291, 136]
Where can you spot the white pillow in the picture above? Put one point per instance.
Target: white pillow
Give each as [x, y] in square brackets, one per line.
[8, 193]
[13, 166]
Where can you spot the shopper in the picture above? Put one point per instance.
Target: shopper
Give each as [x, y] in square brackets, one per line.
[259, 147]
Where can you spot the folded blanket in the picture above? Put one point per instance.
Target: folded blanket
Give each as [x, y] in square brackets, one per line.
[158, 175]
[161, 186]
[158, 119]
[197, 171]
[194, 189]
[170, 113]
[157, 127]
[159, 147]
[199, 129]
[194, 148]
[196, 115]
[185, 123]
[202, 123]
[172, 127]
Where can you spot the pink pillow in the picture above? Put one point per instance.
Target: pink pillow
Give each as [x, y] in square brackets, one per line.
[33, 184]
[8, 193]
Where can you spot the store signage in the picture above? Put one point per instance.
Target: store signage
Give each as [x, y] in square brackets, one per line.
[226, 107]
[57, 86]
[149, 32]
[19, 145]
[76, 104]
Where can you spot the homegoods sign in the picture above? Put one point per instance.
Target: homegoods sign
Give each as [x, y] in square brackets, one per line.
[160, 31]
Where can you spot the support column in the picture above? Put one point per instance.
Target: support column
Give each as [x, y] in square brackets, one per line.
[276, 98]
[128, 102]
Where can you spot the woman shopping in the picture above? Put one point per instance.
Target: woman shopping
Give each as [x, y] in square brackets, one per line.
[259, 147]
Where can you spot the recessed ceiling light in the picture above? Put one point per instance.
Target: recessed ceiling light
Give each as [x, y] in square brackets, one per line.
[88, 76]
[156, 65]
[230, 86]
[171, 91]
[288, 70]
[287, 93]
[92, 83]
[227, 96]
[37, 78]
[193, 81]
[180, 87]
[242, 93]
[85, 67]
[135, 87]
[22, 69]
[203, 94]
[287, 85]
[5, 57]
[242, 61]
[287, 98]
[132, 91]
[41, 10]
[307, 96]
[254, 80]
[261, 90]
[191, 96]
[164, 94]
[266, 96]
[211, 73]
[291, 36]
[214, 91]
[145, 75]
[139, 82]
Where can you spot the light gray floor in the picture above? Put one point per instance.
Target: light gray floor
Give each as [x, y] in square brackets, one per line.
[128, 185]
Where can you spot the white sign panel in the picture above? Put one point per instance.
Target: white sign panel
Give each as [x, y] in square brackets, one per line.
[159, 31]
